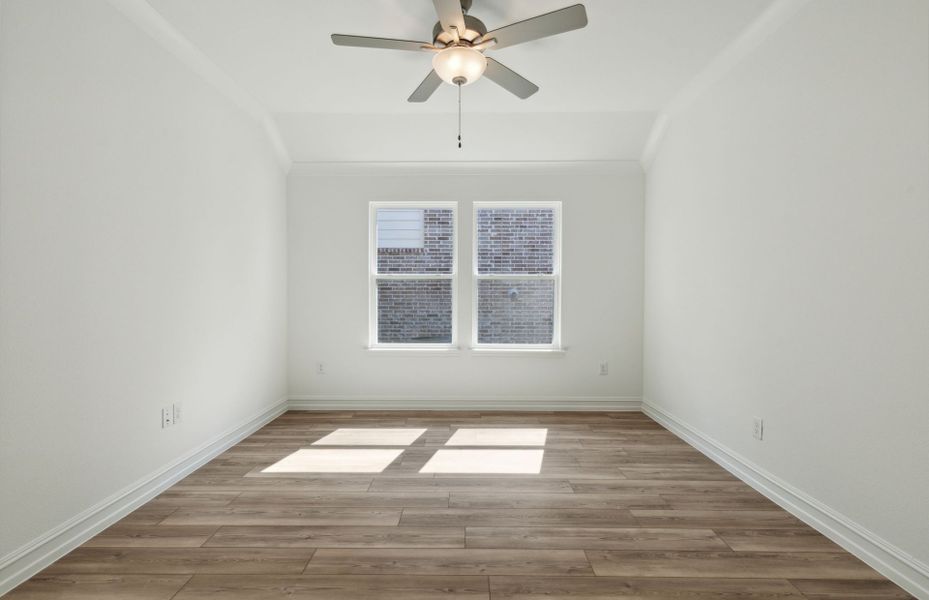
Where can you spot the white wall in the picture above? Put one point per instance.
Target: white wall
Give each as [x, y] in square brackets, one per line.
[602, 291]
[142, 262]
[787, 269]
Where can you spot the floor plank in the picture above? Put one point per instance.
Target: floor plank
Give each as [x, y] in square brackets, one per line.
[502, 485]
[721, 501]
[340, 587]
[515, 517]
[339, 537]
[172, 498]
[607, 538]
[165, 536]
[609, 588]
[147, 515]
[449, 562]
[740, 519]
[712, 473]
[357, 499]
[182, 560]
[597, 501]
[820, 565]
[96, 586]
[199, 483]
[274, 515]
[849, 590]
[656, 486]
[778, 540]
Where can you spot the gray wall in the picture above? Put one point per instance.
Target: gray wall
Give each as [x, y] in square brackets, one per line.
[142, 262]
[788, 264]
[601, 289]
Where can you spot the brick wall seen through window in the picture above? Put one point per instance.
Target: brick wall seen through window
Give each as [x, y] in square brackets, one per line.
[414, 311]
[516, 241]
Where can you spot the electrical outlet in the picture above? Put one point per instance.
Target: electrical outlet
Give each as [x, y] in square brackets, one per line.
[176, 413]
[758, 428]
[604, 368]
[167, 417]
[320, 368]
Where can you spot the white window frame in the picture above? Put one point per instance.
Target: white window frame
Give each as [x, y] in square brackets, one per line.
[373, 276]
[555, 276]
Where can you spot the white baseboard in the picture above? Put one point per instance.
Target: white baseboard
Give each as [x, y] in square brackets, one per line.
[24, 562]
[488, 403]
[890, 561]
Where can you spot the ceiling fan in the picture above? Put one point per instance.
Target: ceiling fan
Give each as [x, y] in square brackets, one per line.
[460, 40]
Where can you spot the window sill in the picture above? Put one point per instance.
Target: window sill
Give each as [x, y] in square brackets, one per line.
[520, 352]
[414, 351]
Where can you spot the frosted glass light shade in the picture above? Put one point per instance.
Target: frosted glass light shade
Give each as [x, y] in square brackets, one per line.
[459, 62]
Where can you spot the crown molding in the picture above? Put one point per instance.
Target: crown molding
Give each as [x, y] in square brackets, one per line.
[734, 54]
[407, 168]
[146, 18]
[655, 136]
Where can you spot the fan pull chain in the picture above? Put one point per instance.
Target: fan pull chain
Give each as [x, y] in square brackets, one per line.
[459, 115]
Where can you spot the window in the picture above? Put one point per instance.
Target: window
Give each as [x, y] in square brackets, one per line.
[413, 272]
[517, 275]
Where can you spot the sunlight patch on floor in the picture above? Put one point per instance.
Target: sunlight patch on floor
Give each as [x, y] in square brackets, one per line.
[498, 437]
[370, 437]
[347, 460]
[485, 461]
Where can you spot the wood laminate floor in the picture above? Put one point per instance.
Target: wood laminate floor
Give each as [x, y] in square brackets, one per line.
[621, 509]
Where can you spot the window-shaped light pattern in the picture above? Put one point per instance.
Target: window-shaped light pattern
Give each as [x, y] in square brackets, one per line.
[348, 459]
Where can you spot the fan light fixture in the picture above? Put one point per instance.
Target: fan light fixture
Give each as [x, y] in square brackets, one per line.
[459, 65]
[459, 41]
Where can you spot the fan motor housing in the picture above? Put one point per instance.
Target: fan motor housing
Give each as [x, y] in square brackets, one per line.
[474, 29]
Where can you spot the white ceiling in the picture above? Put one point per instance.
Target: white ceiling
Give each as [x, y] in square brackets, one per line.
[601, 86]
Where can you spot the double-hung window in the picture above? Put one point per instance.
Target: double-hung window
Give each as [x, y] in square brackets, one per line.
[516, 283]
[413, 267]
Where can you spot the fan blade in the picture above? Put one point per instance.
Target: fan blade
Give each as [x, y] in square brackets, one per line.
[509, 80]
[450, 15]
[553, 23]
[360, 41]
[430, 84]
